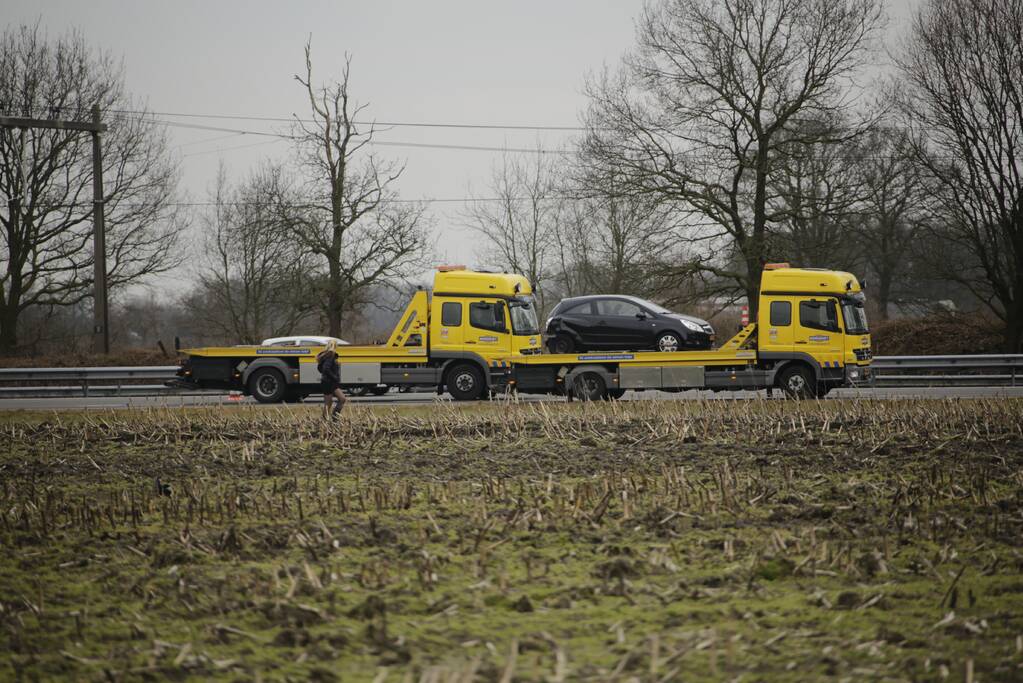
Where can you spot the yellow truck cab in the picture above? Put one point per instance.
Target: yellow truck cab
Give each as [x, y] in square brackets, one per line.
[477, 335]
[812, 327]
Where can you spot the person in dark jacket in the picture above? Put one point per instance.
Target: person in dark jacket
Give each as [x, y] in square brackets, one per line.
[330, 380]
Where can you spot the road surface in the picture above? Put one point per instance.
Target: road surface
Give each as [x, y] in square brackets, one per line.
[396, 399]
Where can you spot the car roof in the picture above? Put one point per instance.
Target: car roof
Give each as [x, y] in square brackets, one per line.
[313, 338]
[572, 301]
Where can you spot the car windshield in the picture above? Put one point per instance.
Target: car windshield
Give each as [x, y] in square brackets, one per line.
[855, 317]
[523, 316]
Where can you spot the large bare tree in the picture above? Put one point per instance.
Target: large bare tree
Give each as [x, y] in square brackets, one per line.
[963, 95]
[703, 110]
[352, 217]
[254, 274]
[46, 256]
[519, 218]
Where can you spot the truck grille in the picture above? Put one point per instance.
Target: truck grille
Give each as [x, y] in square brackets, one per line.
[863, 354]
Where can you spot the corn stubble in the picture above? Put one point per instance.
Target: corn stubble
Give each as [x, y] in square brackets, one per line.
[633, 541]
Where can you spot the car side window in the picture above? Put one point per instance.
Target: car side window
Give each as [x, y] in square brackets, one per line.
[487, 316]
[781, 313]
[585, 308]
[618, 307]
[818, 315]
[451, 314]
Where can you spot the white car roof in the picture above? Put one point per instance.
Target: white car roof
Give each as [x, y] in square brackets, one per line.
[302, 340]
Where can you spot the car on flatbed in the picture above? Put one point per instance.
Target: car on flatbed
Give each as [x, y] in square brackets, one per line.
[607, 322]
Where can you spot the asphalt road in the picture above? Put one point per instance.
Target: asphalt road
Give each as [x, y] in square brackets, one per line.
[396, 399]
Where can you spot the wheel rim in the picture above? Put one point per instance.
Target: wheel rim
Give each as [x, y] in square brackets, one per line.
[465, 382]
[668, 342]
[561, 346]
[587, 386]
[797, 384]
[267, 385]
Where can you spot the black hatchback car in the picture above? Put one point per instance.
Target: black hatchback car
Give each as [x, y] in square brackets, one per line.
[622, 323]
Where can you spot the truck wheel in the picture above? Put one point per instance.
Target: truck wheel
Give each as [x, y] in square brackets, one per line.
[561, 344]
[465, 382]
[267, 385]
[797, 382]
[380, 391]
[589, 386]
[669, 341]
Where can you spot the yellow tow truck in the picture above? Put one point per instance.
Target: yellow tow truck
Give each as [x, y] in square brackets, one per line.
[477, 335]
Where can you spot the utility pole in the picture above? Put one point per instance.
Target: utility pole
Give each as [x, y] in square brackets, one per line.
[100, 334]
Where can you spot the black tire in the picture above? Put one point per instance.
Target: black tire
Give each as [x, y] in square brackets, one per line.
[359, 391]
[798, 382]
[669, 342]
[380, 391]
[589, 386]
[465, 382]
[267, 385]
[561, 344]
[615, 394]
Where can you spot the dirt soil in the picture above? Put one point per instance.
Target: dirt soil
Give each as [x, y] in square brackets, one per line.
[640, 541]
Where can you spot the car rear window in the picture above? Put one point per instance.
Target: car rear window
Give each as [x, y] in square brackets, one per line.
[578, 309]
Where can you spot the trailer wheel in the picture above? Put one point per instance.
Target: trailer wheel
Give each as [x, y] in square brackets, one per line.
[267, 385]
[797, 381]
[465, 382]
[589, 386]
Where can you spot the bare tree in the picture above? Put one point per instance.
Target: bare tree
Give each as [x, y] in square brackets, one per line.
[352, 217]
[46, 179]
[963, 95]
[617, 244]
[817, 196]
[894, 214]
[700, 111]
[253, 279]
[519, 218]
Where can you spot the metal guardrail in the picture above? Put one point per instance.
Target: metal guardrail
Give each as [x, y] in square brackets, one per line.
[886, 371]
[83, 381]
[924, 371]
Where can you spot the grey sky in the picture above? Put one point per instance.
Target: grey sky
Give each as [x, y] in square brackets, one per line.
[443, 61]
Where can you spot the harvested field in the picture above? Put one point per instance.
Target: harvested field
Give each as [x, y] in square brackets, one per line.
[649, 541]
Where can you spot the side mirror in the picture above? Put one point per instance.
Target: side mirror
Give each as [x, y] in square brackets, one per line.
[641, 315]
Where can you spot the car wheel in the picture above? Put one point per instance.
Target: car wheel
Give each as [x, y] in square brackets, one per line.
[267, 385]
[797, 382]
[589, 386]
[465, 382]
[669, 342]
[561, 344]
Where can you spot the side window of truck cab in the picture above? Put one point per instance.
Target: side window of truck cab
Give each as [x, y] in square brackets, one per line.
[488, 328]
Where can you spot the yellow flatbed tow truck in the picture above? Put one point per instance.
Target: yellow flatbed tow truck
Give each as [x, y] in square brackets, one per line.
[477, 335]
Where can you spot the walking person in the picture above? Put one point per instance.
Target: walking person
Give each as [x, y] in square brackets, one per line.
[330, 380]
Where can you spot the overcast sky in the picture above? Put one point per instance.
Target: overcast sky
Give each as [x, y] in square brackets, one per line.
[436, 61]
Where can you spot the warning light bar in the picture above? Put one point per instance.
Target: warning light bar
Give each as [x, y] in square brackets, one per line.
[448, 269]
[775, 266]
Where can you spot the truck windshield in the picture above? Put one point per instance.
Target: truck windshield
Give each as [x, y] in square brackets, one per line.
[855, 317]
[523, 316]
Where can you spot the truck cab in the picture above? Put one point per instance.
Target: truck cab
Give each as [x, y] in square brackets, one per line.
[812, 327]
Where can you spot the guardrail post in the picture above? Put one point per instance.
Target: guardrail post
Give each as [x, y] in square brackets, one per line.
[85, 388]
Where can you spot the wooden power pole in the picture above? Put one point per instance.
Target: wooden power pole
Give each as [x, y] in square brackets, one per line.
[100, 333]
